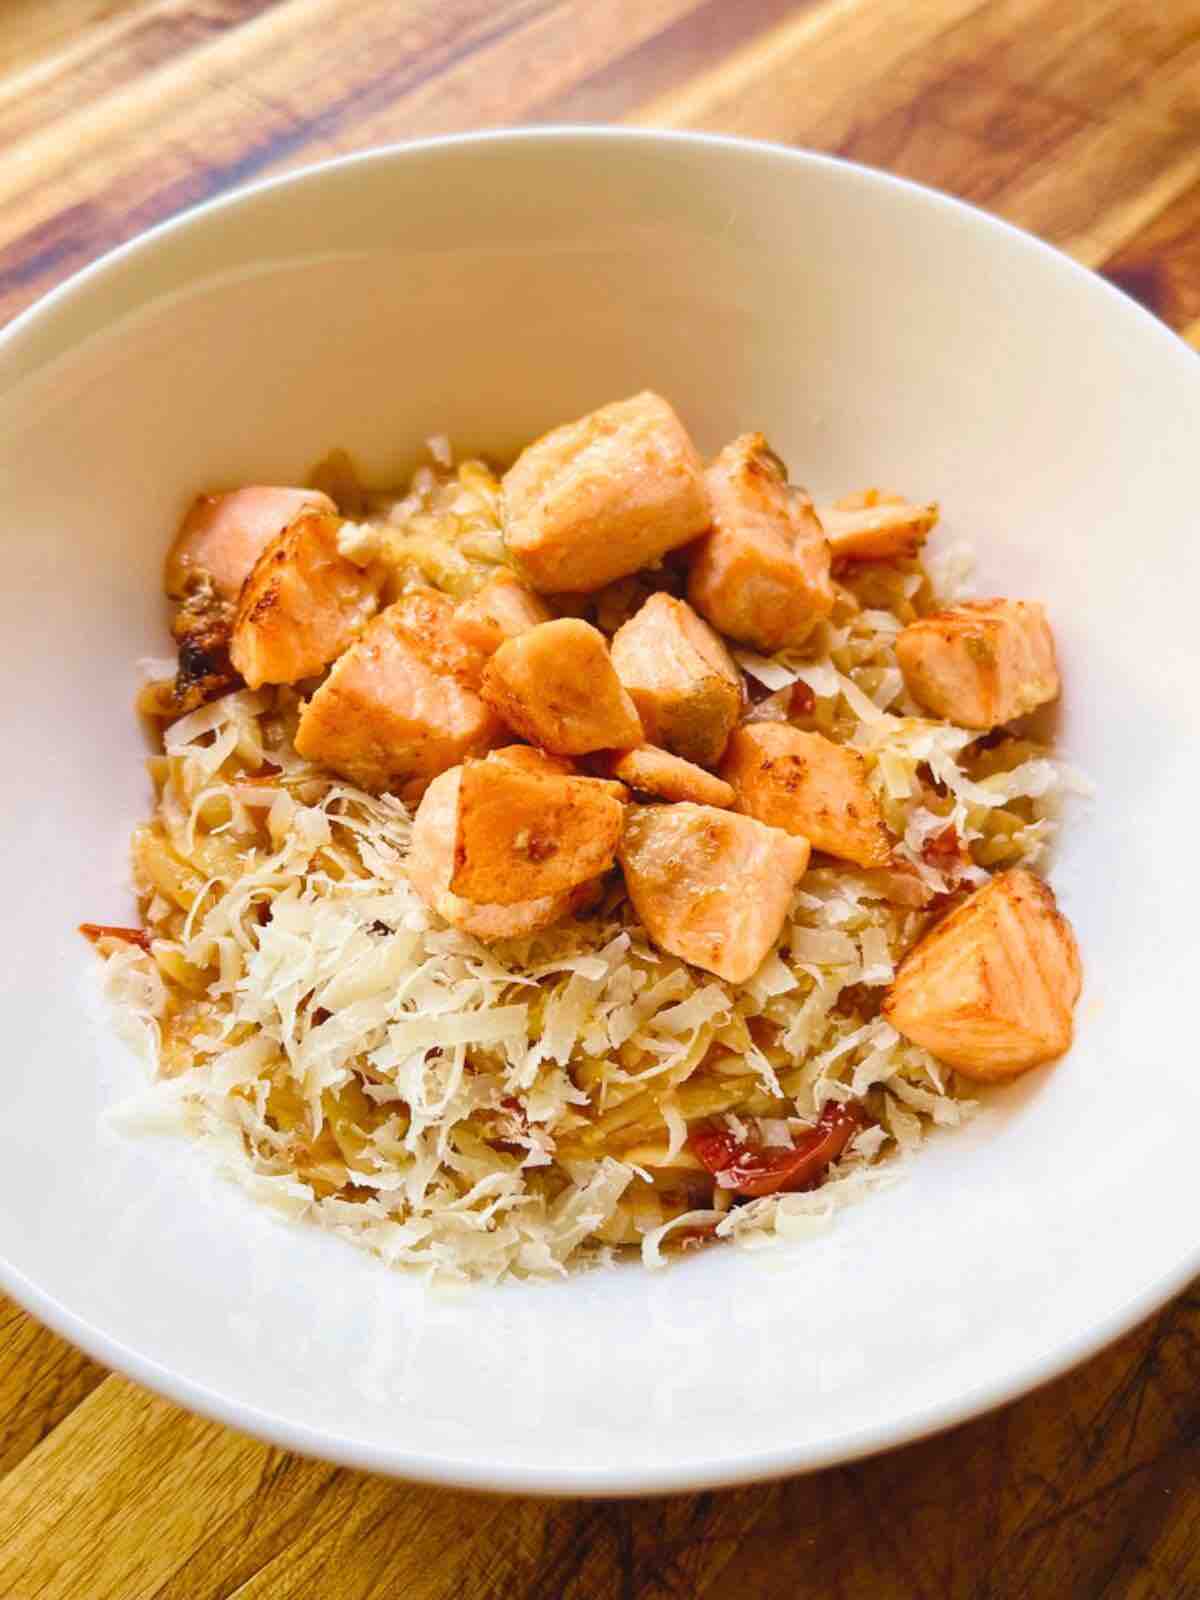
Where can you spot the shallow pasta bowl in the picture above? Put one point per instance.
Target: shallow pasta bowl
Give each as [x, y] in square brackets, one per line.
[488, 287]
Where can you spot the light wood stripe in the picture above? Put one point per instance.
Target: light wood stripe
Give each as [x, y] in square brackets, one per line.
[42, 1379]
[121, 43]
[87, 1514]
[730, 97]
[35, 33]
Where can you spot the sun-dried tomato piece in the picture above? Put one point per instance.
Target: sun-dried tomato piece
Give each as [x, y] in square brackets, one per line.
[801, 701]
[754, 1170]
[942, 848]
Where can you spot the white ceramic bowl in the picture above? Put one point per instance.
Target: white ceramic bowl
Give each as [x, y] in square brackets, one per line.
[489, 287]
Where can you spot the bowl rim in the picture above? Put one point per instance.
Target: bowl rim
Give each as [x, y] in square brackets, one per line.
[13, 332]
[570, 1481]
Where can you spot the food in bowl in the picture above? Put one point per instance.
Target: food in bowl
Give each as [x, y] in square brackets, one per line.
[618, 853]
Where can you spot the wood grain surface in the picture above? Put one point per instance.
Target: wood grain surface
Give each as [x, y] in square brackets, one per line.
[1078, 119]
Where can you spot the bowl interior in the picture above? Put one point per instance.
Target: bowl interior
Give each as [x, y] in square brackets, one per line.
[488, 288]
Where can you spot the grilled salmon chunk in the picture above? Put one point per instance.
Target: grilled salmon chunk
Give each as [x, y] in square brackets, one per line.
[807, 785]
[391, 715]
[500, 610]
[223, 535]
[302, 604]
[657, 772]
[429, 619]
[218, 542]
[682, 679]
[873, 526]
[602, 497]
[710, 886]
[530, 759]
[431, 865]
[762, 575]
[991, 991]
[981, 663]
[556, 686]
[523, 834]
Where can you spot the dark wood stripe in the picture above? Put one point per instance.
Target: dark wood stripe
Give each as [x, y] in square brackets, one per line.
[54, 249]
[1160, 266]
[42, 1379]
[668, 59]
[970, 126]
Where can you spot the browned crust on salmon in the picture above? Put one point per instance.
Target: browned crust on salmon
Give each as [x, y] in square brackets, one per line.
[556, 687]
[522, 835]
[651, 771]
[808, 785]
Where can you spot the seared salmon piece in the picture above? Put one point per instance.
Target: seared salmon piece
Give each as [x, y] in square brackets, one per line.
[981, 663]
[762, 575]
[429, 619]
[875, 526]
[522, 835]
[992, 990]
[302, 604]
[431, 866]
[218, 543]
[658, 772]
[500, 610]
[557, 687]
[682, 679]
[710, 886]
[807, 785]
[602, 497]
[223, 535]
[388, 717]
[530, 759]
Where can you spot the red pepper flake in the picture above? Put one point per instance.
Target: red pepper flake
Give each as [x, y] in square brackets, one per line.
[857, 998]
[754, 1170]
[96, 931]
[942, 848]
[802, 701]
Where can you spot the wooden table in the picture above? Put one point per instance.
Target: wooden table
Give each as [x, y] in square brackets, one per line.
[1078, 119]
